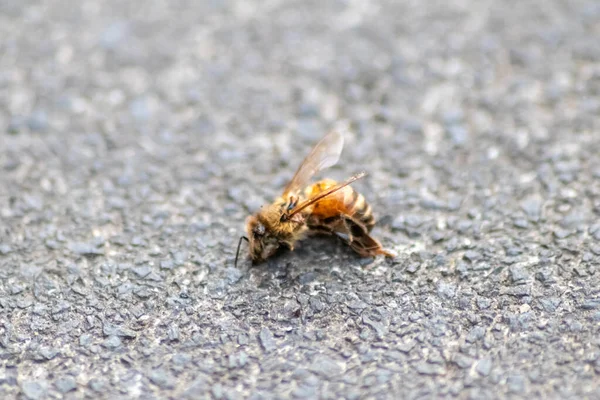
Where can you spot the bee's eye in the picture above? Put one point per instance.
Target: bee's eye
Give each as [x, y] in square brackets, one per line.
[259, 230]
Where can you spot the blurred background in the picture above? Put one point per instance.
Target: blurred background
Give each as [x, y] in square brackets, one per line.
[135, 137]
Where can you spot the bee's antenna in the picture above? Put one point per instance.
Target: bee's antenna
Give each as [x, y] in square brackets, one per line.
[237, 253]
[325, 193]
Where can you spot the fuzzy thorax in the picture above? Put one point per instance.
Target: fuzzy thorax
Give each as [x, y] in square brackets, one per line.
[267, 230]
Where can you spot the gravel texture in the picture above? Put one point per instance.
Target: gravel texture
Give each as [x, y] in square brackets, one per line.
[135, 139]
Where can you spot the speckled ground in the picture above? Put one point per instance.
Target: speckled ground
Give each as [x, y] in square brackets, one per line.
[135, 139]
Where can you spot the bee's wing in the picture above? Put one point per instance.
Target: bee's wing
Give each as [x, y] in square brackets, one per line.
[325, 154]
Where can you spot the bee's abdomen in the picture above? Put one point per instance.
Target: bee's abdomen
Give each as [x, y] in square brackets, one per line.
[358, 208]
[346, 201]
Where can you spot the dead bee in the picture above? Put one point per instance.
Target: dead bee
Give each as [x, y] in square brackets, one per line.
[323, 207]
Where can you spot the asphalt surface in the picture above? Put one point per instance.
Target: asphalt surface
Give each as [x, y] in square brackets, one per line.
[136, 138]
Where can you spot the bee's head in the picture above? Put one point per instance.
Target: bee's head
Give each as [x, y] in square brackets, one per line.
[261, 241]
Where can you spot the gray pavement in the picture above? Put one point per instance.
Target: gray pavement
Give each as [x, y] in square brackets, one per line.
[135, 137]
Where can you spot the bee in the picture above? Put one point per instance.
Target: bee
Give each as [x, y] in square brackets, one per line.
[325, 207]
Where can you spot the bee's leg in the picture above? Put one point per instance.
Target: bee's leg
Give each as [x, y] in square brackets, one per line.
[361, 242]
[317, 226]
[287, 245]
[351, 231]
[319, 230]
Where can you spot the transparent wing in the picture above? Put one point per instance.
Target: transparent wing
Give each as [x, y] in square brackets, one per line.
[325, 154]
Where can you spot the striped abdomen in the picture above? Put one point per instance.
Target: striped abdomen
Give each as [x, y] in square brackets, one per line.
[346, 201]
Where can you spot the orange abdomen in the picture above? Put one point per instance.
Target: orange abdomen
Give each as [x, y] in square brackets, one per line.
[346, 201]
